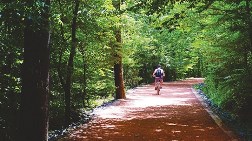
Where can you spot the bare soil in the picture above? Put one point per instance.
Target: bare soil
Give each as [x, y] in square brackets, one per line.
[177, 114]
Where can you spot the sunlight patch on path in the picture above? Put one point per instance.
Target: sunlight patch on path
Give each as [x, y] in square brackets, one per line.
[175, 115]
[138, 100]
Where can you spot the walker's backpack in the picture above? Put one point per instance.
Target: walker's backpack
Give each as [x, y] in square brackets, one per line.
[158, 73]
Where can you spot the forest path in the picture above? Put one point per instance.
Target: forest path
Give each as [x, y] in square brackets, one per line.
[178, 114]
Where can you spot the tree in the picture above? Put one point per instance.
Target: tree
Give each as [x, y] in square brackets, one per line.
[118, 67]
[70, 65]
[35, 76]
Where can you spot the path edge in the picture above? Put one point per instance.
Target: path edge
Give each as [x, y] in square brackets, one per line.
[215, 117]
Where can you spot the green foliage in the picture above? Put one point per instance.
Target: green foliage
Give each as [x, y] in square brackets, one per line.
[92, 78]
[227, 57]
[10, 65]
[210, 39]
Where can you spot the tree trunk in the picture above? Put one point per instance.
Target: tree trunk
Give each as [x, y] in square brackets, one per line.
[35, 80]
[119, 83]
[249, 22]
[70, 66]
[84, 93]
[118, 67]
[84, 80]
[59, 66]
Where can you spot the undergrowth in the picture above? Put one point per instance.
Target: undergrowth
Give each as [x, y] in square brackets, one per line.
[243, 128]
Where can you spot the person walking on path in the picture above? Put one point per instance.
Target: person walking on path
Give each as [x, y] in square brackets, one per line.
[158, 74]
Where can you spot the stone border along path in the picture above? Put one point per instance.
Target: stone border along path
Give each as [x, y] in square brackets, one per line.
[178, 114]
[216, 118]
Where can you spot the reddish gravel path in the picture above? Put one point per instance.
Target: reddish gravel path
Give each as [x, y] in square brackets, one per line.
[175, 115]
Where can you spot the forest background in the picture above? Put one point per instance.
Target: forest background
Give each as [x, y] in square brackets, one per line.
[92, 41]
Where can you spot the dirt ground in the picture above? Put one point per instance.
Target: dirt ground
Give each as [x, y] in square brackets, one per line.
[177, 114]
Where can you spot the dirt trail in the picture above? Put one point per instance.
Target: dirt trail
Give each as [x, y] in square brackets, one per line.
[175, 115]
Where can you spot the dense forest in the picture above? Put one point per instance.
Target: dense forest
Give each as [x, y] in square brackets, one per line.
[61, 58]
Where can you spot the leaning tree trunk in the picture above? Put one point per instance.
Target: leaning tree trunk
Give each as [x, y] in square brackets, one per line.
[35, 79]
[118, 67]
[70, 66]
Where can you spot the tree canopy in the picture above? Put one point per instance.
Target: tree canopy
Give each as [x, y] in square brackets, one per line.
[91, 40]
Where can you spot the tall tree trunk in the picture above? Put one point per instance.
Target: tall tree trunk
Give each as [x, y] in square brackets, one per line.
[35, 80]
[70, 66]
[84, 93]
[249, 22]
[84, 80]
[249, 49]
[118, 67]
[64, 40]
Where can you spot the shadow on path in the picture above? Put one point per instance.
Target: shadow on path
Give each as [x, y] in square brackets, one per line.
[175, 115]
